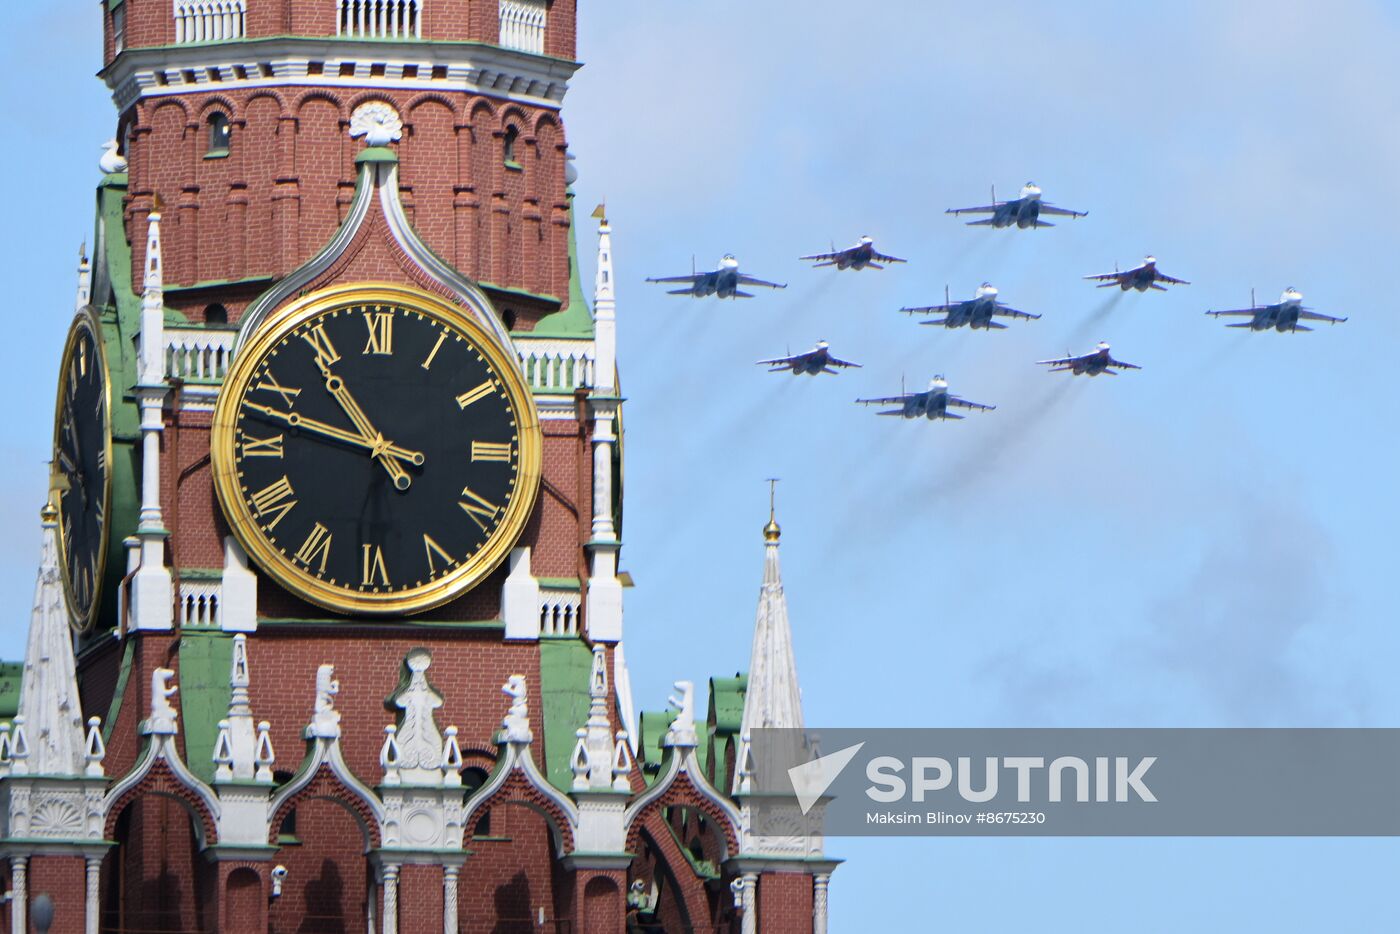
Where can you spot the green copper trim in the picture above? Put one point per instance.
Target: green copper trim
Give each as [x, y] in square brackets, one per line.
[206, 658]
[560, 583]
[565, 666]
[11, 682]
[115, 708]
[218, 284]
[376, 154]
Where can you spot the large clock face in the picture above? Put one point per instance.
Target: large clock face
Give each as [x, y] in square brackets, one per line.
[82, 452]
[375, 451]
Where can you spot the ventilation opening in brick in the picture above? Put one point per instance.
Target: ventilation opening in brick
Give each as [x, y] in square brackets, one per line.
[347, 69]
[439, 72]
[265, 69]
[240, 72]
[410, 71]
[315, 68]
[376, 71]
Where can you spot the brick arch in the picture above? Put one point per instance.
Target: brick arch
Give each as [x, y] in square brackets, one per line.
[548, 118]
[683, 792]
[145, 115]
[479, 107]
[325, 785]
[330, 98]
[518, 790]
[271, 93]
[217, 101]
[429, 97]
[517, 117]
[162, 780]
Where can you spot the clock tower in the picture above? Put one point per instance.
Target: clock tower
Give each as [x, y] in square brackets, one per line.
[330, 562]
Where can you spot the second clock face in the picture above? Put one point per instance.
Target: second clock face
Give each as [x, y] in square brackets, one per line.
[376, 453]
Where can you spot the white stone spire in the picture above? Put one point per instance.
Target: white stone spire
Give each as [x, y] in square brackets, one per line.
[773, 698]
[605, 307]
[84, 295]
[153, 305]
[53, 718]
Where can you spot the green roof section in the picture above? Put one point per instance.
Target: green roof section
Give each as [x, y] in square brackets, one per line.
[205, 662]
[123, 676]
[575, 320]
[565, 666]
[727, 703]
[11, 680]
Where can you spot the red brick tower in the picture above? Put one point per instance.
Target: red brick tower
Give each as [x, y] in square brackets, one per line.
[335, 513]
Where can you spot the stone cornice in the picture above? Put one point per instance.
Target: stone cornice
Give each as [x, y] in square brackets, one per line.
[286, 60]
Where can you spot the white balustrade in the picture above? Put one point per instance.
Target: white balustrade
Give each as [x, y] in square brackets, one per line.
[201, 604]
[379, 19]
[522, 24]
[209, 20]
[556, 365]
[198, 355]
[559, 611]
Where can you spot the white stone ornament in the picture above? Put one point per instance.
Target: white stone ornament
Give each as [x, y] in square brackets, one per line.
[419, 741]
[377, 122]
[517, 721]
[163, 713]
[111, 162]
[325, 721]
[682, 732]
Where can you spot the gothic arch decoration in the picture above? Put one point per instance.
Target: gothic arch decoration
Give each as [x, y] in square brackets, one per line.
[323, 784]
[381, 177]
[518, 781]
[159, 774]
[683, 783]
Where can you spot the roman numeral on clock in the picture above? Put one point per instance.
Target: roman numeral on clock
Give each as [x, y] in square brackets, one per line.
[491, 451]
[274, 500]
[372, 566]
[321, 345]
[317, 545]
[262, 447]
[270, 384]
[475, 395]
[433, 548]
[481, 510]
[381, 332]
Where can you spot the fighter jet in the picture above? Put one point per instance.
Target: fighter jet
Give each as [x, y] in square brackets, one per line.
[931, 403]
[1142, 278]
[1283, 316]
[817, 360]
[724, 281]
[856, 257]
[976, 312]
[1093, 363]
[1024, 212]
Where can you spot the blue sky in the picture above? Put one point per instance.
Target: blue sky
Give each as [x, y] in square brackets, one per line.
[1207, 542]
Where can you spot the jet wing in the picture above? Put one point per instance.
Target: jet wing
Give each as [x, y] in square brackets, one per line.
[1006, 311]
[1120, 363]
[1171, 280]
[882, 258]
[784, 361]
[887, 400]
[963, 403]
[932, 309]
[1112, 276]
[1314, 316]
[750, 280]
[825, 257]
[982, 209]
[832, 361]
[1251, 312]
[692, 279]
[1060, 212]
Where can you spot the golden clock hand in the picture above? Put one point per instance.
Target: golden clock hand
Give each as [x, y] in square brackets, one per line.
[303, 423]
[341, 393]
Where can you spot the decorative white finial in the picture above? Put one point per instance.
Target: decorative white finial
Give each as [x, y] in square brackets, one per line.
[622, 763]
[517, 721]
[578, 761]
[390, 755]
[163, 713]
[682, 731]
[264, 757]
[96, 749]
[111, 162]
[451, 758]
[377, 122]
[325, 722]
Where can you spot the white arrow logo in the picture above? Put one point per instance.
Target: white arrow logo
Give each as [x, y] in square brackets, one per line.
[810, 780]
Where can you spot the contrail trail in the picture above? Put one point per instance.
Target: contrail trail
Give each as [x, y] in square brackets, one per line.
[1096, 317]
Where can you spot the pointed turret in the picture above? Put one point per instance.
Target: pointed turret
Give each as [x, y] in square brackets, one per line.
[605, 307]
[774, 698]
[53, 719]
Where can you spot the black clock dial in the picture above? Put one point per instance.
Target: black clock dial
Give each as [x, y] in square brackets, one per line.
[377, 452]
[82, 447]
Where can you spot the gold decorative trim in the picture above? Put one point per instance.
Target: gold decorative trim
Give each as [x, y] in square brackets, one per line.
[86, 321]
[306, 586]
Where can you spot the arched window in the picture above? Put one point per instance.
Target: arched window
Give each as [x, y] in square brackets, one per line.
[215, 314]
[219, 133]
[508, 146]
[473, 778]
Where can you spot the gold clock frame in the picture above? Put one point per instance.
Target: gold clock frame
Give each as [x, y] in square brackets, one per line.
[305, 585]
[85, 322]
